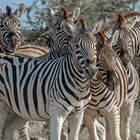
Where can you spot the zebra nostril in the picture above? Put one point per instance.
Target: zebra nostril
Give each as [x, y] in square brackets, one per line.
[90, 72]
[11, 34]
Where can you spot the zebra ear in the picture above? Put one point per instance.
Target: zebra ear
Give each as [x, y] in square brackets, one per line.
[63, 12]
[113, 40]
[50, 12]
[18, 12]
[8, 10]
[76, 14]
[82, 24]
[97, 27]
[109, 22]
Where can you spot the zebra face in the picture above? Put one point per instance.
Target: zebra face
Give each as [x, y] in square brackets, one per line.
[86, 55]
[10, 30]
[10, 34]
[123, 46]
[124, 23]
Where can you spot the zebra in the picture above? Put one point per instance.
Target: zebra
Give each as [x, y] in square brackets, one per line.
[106, 99]
[126, 48]
[55, 50]
[107, 63]
[125, 54]
[63, 84]
[10, 34]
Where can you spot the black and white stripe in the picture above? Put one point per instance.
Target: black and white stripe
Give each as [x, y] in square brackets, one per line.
[52, 79]
[108, 90]
[126, 52]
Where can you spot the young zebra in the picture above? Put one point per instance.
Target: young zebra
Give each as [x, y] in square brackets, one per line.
[10, 35]
[108, 90]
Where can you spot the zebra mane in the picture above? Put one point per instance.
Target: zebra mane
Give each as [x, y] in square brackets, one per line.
[131, 14]
[120, 19]
[8, 10]
[102, 38]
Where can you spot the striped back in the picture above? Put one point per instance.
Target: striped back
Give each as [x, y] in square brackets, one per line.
[32, 50]
[10, 35]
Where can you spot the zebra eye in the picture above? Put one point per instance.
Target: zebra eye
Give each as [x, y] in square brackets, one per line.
[121, 53]
[87, 61]
[77, 46]
[58, 28]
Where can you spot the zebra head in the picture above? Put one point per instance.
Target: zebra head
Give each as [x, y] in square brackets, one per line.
[10, 35]
[86, 50]
[106, 59]
[64, 29]
[123, 46]
[62, 20]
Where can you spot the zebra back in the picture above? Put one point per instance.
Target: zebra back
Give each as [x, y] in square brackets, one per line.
[10, 35]
[32, 50]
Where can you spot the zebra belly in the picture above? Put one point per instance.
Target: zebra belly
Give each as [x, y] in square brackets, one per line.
[30, 110]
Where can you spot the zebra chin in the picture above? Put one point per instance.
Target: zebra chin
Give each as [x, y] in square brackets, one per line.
[90, 73]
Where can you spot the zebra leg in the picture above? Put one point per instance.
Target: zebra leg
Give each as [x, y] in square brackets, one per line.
[100, 126]
[113, 119]
[14, 122]
[57, 119]
[126, 114]
[3, 116]
[89, 123]
[23, 132]
[95, 128]
[74, 124]
[64, 135]
[108, 134]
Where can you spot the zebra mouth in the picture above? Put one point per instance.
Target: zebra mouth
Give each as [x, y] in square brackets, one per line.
[90, 74]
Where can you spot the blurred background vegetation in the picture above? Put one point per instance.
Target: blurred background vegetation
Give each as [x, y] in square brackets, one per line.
[38, 20]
